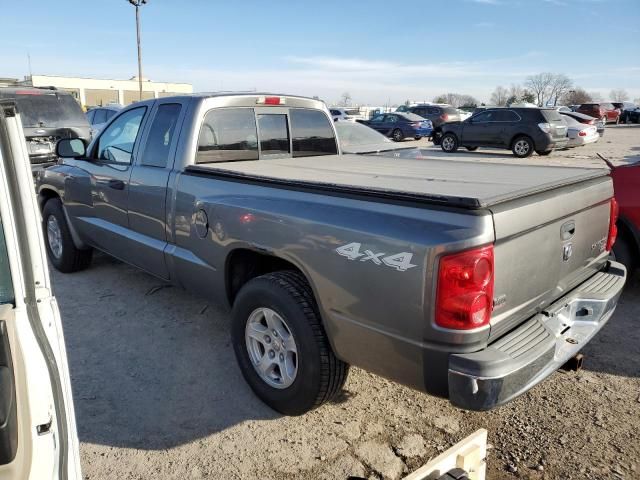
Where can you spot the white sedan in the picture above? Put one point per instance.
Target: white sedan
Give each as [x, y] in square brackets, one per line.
[580, 133]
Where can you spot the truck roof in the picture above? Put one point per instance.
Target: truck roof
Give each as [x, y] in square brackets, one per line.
[454, 183]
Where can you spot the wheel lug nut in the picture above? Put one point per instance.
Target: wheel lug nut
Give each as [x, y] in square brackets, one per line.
[281, 357]
[267, 339]
[272, 354]
[275, 334]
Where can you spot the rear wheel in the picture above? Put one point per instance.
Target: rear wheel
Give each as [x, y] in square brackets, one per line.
[417, 137]
[397, 135]
[543, 153]
[471, 149]
[61, 250]
[449, 143]
[281, 345]
[522, 147]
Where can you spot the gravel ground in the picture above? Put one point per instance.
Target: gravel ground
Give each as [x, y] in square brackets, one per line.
[159, 396]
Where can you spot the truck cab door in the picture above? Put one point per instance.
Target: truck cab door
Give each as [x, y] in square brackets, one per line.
[38, 439]
[106, 173]
[148, 203]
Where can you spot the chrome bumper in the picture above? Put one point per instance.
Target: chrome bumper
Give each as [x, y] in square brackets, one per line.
[516, 362]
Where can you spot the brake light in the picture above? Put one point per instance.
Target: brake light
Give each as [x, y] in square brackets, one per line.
[582, 133]
[613, 228]
[464, 298]
[545, 127]
[445, 117]
[270, 101]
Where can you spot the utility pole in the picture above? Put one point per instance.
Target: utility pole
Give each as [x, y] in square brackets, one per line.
[138, 4]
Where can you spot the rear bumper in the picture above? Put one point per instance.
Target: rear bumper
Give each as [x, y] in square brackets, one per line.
[526, 356]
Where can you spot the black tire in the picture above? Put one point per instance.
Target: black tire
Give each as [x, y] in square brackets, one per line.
[320, 375]
[397, 135]
[522, 146]
[449, 143]
[71, 259]
[471, 149]
[624, 252]
[417, 137]
[544, 153]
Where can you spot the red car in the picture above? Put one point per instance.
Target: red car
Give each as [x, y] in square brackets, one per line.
[605, 111]
[626, 185]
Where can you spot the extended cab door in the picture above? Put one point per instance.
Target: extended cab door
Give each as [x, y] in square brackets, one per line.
[98, 194]
[38, 439]
[149, 203]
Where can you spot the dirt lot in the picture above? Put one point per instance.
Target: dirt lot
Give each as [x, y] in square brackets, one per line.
[159, 396]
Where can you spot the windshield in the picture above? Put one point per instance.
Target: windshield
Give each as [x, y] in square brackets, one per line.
[6, 287]
[353, 134]
[49, 110]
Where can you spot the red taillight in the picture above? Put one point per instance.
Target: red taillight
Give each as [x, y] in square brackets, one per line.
[270, 101]
[613, 228]
[464, 299]
[582, 133]
[445, 117]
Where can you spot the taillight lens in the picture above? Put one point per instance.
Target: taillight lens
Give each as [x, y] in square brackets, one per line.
[545, 127]
[464, 298]
[445, 117]
[613, 228]
[582, 133]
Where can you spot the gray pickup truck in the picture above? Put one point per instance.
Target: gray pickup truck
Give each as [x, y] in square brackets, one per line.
[468, 281]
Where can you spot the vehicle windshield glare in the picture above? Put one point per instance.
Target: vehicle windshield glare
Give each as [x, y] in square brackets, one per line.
[353, 134]
[6, 285]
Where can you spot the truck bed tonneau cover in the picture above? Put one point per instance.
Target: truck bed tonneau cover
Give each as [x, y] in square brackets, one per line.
[447, 182]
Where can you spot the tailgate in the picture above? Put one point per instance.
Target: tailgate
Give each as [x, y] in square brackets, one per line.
[546, 245]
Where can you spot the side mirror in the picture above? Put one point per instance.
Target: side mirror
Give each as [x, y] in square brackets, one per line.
[71, 148]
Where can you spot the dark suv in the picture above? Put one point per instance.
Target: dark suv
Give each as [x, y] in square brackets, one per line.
[521, 130]
[438, 114]
[47, 116]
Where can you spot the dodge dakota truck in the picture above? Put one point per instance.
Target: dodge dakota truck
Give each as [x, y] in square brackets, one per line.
[469, 281]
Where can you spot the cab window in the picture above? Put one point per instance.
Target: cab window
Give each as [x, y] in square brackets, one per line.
[158, 144]
[6, 286]
[117, 141]
[312, 133]
[274, 134]
[228, 134]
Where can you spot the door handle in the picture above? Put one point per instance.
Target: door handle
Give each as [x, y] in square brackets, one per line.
[116, 184]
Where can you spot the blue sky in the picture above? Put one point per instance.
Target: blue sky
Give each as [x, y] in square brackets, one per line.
[378, 51]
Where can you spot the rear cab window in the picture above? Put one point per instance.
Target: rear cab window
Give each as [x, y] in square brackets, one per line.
[6, 285]
[242, 133]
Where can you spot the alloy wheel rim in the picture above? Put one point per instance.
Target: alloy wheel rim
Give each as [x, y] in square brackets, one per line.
[54, 236]
[272, 348]
[447, 143]
[522, 147]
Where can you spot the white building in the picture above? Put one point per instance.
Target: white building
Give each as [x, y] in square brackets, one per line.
[92, 92]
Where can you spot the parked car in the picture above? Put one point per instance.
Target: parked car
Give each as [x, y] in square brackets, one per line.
[631, 114]
[521, 130]
[360, 139]
[47, 116]
[464, 114]
[626, 183]
[580, 134]
[38, 438]
[449, 277]
[345, 114]
[605, 111]
[586, 119]
[399, 126]
[98, 117]
[438, 114]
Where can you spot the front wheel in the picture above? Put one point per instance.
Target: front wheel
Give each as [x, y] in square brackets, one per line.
[522, 147]
[397, 135]
[449, 143]
[61, 250]
[281, 345]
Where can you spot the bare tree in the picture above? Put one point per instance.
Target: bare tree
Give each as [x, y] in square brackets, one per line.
[345, 99]
[595, 96]
[499, 96]
[540, 85]
[560, 85]
[516, 91]
[619, 95]
[576, 96]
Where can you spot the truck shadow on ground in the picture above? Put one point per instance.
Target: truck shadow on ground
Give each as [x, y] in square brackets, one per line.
[614, 350]
[152, 366]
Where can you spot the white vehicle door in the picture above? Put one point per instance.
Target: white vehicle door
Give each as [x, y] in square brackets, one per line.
[38, 439]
